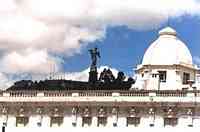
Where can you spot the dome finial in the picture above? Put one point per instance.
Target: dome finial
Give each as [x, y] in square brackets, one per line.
[167, 31]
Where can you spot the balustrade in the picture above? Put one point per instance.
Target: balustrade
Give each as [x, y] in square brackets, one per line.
[23, 93]
[56, 94]
[99, 93]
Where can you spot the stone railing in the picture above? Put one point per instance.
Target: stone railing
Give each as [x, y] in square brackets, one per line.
[134, 93]
[20, 94]
[102, 93]
[177, 93]
[55, 93]
[95, 93]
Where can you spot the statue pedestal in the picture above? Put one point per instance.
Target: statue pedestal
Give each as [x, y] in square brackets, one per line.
[3, 128]
[93, 76]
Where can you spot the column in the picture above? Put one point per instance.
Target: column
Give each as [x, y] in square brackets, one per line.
[151, 117]
[67, 121]
[4, 116]
[46, 121]
[115, 116]
[94, 121]
[39, 117]
[190, 117]
[74, 117]
[11, 122]
[159, 121]
[121, 121]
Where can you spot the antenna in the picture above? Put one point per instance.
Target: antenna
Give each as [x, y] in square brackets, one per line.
[50, 72]
[168, 20]
[54, 74]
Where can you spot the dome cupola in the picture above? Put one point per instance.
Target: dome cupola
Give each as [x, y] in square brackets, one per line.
[167, 49]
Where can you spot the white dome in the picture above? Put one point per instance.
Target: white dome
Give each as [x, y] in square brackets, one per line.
[167, 50]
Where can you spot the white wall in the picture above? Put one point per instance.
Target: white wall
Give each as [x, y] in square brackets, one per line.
[173, 79]
[121, 122]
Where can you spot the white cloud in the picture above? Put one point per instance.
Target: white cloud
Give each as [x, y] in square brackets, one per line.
[58, 26]
[84, 75]
[36, 62]
[133, 13]
[5, 82]
[32, 29]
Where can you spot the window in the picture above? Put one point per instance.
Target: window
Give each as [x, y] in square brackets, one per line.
[186, 77]
[74, 120]
[142, 74]
[190, 125]
[21, 121]
[151, 125]
[132, 121]
[162, 76]
[4, 124]
[170, 121]
[86, 121]
[74, 124]
[102, 121]
[39, 121]
[154, 75]
[114, 124]
[39, 124]
[56, 121]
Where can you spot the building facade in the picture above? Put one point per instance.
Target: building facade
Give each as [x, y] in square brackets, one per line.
[167, 64]
[164, 95]
[146, 108]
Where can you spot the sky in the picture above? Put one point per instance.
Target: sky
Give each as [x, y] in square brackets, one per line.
[38, 37]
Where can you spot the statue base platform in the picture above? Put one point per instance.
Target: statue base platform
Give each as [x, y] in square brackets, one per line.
[93, 76]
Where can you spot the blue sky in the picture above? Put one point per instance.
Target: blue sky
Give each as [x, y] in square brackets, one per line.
[123, 48]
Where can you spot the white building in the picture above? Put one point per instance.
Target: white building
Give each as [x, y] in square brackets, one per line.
[167, 64]
[166, 99]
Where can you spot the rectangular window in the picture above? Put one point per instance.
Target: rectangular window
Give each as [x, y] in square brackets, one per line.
[186, 77]
[86, 121]
[39, 124]
[21, 121]
[102, 121]
[114, 124]
[162, 76]
[190, 125]
[151, 125]
[56, 121]
[132, 121]
[74, 124]
[170, 121]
